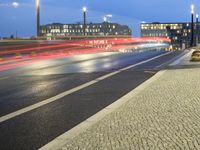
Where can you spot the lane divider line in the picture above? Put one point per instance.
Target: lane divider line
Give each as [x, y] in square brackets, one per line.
[63, 94]
[182, 58]
[150, 72]
[171, 60]
[3, 78]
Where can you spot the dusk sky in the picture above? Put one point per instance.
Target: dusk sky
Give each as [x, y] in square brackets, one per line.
[20, 16]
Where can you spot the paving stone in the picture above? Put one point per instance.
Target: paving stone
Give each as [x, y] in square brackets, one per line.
[165, 116]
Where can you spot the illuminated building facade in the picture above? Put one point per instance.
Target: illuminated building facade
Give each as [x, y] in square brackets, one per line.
[179, 33]
[92, 29]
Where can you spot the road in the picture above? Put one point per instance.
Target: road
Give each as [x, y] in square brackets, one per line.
[84, 92]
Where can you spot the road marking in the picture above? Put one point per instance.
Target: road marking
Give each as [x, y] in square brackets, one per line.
[182, 58]
[151, 72]
[172, 60]
[3, 78]
[61, 95]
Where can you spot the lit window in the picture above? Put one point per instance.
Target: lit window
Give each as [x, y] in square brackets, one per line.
[65, 30]
[65, 26]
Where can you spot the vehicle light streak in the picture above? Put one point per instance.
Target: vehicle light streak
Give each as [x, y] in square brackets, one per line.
[85, 43]
[67, 48]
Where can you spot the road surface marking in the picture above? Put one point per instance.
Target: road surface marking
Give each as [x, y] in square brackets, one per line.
[151, 72]
[61, 95]
[3, 78]
[181, 56]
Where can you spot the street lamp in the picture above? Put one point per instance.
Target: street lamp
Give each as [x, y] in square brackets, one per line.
[192, 26]
[197, 29]
[105, 19]
[38, 16]
[84, 9]
[197, 18]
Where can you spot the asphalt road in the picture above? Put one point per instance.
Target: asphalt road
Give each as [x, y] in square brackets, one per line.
[22, 87]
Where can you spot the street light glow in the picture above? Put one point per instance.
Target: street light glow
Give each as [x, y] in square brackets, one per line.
[37, 3]
[84, 9]
[197, 15]
[15, 4]
[192, 9]
[105, 19]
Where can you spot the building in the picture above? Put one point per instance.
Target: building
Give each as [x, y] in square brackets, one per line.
[92, 29]
[179, 33]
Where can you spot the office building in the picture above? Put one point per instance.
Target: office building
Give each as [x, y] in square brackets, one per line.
[92, 29]
[179, 33]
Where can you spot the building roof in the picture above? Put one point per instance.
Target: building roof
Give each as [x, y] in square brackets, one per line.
[167, 23]
[60, 24]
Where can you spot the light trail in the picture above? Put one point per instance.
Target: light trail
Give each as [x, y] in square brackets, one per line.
[66, 48]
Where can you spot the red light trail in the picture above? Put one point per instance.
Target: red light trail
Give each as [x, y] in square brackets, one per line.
[26, 54]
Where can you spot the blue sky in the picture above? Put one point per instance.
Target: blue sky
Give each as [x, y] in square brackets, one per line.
[131, 12]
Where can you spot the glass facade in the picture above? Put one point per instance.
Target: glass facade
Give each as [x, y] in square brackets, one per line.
[179, 33]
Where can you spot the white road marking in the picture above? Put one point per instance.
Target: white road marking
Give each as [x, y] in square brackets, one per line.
[61, 95]
[174, 60]
[3, 78]
[151, 72]
[182, 58]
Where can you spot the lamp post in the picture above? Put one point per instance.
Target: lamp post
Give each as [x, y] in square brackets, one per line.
[197, 29]
[105, 20]
[197, 18]
[38, 17]
[192, 26]
[84, 9]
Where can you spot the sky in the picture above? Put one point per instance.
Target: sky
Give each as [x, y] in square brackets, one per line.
[20, 15]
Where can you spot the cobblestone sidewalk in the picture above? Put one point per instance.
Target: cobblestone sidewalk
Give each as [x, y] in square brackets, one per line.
[166, 115]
